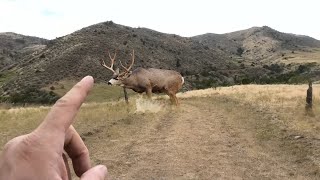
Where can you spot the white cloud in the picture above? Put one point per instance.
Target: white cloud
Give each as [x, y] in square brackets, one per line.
[54, 18]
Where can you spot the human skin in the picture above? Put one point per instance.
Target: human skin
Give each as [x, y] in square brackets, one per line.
[41, 154]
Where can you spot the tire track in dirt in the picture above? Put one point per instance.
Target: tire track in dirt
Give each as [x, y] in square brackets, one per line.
[195, 142]
[280, 156]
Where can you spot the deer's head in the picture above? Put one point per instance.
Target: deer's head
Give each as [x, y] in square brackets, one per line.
[117, 77]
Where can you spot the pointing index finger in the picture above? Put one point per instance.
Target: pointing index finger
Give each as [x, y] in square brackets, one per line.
[65, 109]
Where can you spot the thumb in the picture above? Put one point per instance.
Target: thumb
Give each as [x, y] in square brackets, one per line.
[96, 173]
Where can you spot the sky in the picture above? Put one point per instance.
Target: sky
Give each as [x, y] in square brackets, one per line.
[55, 18]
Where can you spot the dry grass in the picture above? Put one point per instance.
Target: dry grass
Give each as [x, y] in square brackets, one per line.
[108, 127]
[100, 93]
[301, 57]
[17, 121]
[286, 101]
[21, 120]
[275, 96]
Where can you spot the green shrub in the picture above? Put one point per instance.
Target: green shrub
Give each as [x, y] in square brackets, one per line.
[33, 96]
[240, 51]
[205, 83]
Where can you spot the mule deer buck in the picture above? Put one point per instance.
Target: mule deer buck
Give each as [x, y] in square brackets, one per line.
[148, 80]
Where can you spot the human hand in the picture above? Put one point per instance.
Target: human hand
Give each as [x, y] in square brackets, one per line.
[40, 154]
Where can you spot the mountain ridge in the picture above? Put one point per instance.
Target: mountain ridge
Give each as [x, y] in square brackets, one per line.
[205, 60]
[14, 46]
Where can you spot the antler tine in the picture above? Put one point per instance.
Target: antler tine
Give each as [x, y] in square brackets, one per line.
[132, 60]
[104, 65]
[112, 62]
[123, 66]
[112, 59]
[128, 69]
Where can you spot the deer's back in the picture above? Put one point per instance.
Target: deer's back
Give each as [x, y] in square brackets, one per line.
[159, 79]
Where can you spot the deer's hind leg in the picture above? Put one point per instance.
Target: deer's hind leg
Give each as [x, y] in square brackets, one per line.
[173, 98]
[176, 101]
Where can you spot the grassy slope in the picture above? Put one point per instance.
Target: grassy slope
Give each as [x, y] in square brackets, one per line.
[100, 92]
[6, 76]
[300, 57]
[253, 125]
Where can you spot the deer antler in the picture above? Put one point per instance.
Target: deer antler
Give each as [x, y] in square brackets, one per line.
[112, 62]
[128, 69]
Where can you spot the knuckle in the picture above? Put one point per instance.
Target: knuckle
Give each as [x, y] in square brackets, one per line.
[13, 143]
[9, 145]
[21, 144]
[77, 86]
[66, 102]
[62, 102]
[85, 152]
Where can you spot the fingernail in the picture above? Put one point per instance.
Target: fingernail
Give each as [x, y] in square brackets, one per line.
[88, 78]
[103, 168]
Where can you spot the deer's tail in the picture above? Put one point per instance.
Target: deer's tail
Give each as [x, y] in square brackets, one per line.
[182, 80]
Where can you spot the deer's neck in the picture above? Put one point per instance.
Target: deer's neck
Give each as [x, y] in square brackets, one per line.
[129, 82]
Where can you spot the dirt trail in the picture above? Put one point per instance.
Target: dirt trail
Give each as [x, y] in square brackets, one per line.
[203, 139]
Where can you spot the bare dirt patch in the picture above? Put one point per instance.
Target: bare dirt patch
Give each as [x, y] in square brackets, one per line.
[206, 138]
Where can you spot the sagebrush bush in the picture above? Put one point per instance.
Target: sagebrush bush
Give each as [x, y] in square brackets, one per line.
[33, 96]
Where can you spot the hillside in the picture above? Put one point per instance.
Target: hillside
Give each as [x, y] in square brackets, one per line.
[258, 43]
[260, 55]
[14, 47]
[78, 54]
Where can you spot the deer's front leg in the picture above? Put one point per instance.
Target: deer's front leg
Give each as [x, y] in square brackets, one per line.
[149, 92]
